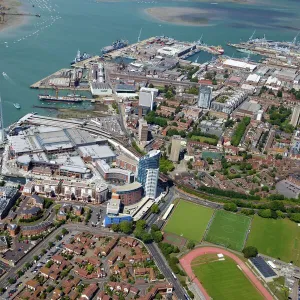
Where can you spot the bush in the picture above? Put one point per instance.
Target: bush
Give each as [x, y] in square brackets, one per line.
[248, 212]
[190, 245]
[250, 251]
[295, 217]
[230, 206]
[239, 131]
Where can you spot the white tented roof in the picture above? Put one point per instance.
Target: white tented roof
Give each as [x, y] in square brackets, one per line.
[239, 64]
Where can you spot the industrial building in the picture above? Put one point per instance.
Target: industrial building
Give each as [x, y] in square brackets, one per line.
[95, 152]
[215, 127]
[175, 50]
[238, 64]
[98, 85]
[55, 151]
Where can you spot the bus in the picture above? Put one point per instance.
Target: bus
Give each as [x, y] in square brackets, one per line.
[174, 275]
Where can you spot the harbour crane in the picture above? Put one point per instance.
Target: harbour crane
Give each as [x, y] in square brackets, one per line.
[252, 36]
[294, 42]
[139, 37]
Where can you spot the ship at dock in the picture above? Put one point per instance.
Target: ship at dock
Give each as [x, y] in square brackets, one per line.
[80, 57]
[246, 51]
[119, 44]
[66, 99]
[217, 49]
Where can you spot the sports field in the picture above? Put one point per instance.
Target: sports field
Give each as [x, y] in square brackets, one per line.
[189, 220]
[276, 238]
[228, 229]
[222, 279]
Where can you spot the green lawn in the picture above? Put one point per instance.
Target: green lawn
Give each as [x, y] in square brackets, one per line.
[224, 280]
[189, 220]
[204, 139]
[276, 238]
[228, 229]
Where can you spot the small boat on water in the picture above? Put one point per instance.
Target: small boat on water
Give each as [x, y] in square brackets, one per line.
[4, 74]
[17, 105]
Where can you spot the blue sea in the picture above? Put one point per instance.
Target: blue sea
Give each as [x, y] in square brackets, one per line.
[43, 45]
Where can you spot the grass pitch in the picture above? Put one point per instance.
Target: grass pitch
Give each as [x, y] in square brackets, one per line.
[222, 279]
[189, 220]
[229, 230]
[276, 238]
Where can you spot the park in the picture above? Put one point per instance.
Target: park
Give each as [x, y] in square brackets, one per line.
[278, 238]
[189, 220]
[228, 230]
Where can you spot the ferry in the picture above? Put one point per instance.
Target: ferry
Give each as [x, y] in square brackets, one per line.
[17, 105]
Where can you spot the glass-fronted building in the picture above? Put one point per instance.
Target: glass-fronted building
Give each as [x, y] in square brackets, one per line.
[148, 173]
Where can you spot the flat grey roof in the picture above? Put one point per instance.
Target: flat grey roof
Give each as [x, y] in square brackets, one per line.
[96, 151]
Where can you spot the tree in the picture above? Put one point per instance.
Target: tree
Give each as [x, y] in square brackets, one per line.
[35, 258]
[209, 160]
[64, 231]
[50, 244]
[230, 206]
[126, 227]
[57, 237]
[250, 251]
[141, 224]
[279, 94]
[11, 280]
[155, 209]
[157, 236]
[90, 268]
[154, 227]
[190, 245]
[115, 227]
[121, 265]
[27, 265]
[44, 251]
[151, 86]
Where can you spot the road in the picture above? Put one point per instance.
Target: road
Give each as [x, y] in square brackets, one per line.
[165, 269]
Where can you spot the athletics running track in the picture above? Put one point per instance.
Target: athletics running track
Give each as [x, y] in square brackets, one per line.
[188, 258]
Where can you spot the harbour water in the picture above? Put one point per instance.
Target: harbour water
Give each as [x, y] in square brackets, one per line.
[43, 45]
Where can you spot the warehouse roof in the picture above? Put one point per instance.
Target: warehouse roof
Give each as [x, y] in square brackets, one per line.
[239, 64]
[96, 151]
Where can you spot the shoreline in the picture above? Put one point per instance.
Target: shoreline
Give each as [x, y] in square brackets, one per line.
[12, 22]
[179, 16]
